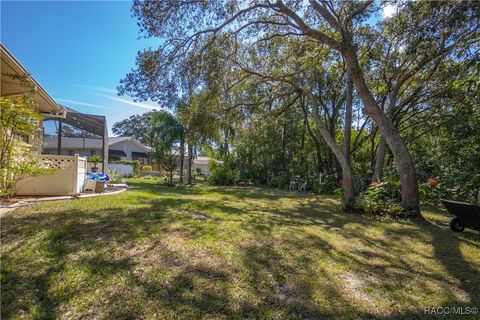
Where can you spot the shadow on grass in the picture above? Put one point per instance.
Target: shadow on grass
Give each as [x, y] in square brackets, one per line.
[125, 263]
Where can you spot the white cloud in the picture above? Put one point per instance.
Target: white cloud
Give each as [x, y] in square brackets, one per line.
[143, 105]
[82, 103]
[102, 89]
[389, 10]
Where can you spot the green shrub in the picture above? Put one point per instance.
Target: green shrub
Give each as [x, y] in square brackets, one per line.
[222, 175]
[115, 178]
[381, 200]
[324, 183]
[165, 181]
[18, 118]
[380, 208]
[338, 193]
[429, 194]
[199, 173]
[147, 168]
[282, 180]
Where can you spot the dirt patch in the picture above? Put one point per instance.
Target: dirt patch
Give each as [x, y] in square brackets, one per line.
[355, 286]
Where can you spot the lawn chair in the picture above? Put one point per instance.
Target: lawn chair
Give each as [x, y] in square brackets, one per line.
[467, 215]
[293, 185]
[303, 186]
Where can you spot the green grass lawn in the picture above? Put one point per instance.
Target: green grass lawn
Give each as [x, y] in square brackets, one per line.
[215, 252]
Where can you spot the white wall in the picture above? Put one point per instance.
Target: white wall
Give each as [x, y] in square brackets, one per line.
[121, 169]
[204, 167]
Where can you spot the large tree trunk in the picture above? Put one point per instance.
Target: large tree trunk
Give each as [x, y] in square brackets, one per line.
[347, 179]
[379, 159]
[225, 144]
[404, 163]
[182, 156]
[190, 160]
[318, 147]
[380, 156]
[405, 167]
[348, 117]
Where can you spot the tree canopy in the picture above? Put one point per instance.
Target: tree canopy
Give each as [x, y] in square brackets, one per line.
[316, 88]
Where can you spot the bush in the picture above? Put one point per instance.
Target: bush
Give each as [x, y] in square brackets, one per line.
[199, 173]
[115, 178]
[430, 193]
[165, 181]
[222, 175]
[380, 209]
[147, 168]
[150, 177]
[282, 180]
[324, 183]
[381, 200]
[18, 118]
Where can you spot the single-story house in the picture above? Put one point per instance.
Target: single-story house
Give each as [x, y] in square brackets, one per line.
[128, 148]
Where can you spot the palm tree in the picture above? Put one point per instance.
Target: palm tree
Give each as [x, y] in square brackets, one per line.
[166, 131]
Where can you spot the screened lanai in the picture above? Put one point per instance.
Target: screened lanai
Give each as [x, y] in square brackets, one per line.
[77, 133]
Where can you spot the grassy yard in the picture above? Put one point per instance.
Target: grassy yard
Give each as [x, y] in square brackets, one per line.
[213, 252]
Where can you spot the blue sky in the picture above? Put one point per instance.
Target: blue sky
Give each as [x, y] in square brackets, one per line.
[77, 51]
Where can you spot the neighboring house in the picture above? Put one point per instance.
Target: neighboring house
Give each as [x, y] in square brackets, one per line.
[202, 164]
[199, 164]
[128, 148]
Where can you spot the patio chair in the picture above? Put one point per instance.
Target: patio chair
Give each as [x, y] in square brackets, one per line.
[293, 185]
[303, 186]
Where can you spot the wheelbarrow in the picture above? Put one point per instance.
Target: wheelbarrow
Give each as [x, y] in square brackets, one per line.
[467, 215]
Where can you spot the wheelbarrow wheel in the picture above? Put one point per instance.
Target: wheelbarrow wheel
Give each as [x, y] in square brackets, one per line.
[456, 226]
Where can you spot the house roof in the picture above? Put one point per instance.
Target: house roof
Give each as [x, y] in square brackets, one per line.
[116, 140]
[11, 85]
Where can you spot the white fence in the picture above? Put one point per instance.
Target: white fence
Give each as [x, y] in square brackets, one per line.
[121, 169]
[67, 179]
